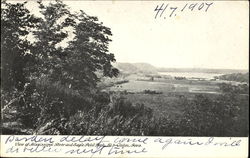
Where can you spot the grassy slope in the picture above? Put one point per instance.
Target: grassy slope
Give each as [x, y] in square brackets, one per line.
[166, 105]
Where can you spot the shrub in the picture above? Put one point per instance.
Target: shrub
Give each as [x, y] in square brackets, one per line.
[151, 92]
[206, 117]
[120, 118]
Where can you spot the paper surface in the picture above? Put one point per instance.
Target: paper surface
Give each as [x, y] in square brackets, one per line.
[170, 34]
[99, 146]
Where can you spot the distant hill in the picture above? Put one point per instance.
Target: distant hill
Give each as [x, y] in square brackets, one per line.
[132, 68]
[146, 68]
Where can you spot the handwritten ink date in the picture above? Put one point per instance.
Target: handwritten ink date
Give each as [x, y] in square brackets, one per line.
[167, 10]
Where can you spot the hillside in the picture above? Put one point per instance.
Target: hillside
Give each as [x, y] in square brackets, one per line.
[145, 68]
[238, 77]
[133, 68]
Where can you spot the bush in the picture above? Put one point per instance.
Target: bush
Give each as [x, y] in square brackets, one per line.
[119, 118]
[151, 92]
[206, 117]
[234, 89]
[238, 77]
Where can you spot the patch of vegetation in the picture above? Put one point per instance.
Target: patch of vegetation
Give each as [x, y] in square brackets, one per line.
[151, 92]
[121, 82]
[234, 89]
[43, 80]
[238, 77]
[180, 78]
[221, 117]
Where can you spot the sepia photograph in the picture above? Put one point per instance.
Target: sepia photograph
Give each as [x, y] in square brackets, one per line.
[125, 68]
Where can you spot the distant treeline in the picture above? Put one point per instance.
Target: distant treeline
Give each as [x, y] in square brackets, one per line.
[239, 77]
[147, 68]
[202, 70]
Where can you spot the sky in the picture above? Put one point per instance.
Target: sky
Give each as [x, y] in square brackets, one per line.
[216, 38]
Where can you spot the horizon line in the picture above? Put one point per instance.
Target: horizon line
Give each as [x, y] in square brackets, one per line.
[244, 69]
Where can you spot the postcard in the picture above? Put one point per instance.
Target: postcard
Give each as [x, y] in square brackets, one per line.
[124, 78]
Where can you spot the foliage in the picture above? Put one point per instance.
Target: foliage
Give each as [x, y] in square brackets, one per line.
[151, 92]
[239, 77]
[16, 22]
[44, 79]
[234, 89]
[74, 65]
[119, 118]
[221, 117]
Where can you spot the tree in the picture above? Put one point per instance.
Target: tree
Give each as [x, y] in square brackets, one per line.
[71, 67]
[16, 59]
[50, 80]
[16, 21]
[87, 53]
[48, 35]
[75, 65]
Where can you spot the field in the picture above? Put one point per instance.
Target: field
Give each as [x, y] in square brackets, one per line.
[166, 86]
[167, 96]
[168, 105]
[169, 101]
[164, 96]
